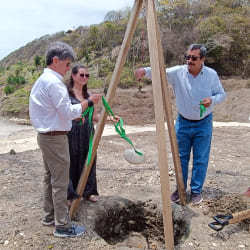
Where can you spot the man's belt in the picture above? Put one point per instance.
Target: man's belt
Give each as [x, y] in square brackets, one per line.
[194, 120]
[52, 133]
[190, 120]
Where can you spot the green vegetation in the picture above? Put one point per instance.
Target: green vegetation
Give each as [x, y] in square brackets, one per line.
[8, 89]
[37, 60]
[222, 25]
[16, 80]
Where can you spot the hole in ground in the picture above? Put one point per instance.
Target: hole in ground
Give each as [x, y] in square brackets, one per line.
[119, 217]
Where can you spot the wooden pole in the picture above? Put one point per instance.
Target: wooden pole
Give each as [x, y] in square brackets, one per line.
[110, 94]
[239, 216]
[170, 121]
[154, 42]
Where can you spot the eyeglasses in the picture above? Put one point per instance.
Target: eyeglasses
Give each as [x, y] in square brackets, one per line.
[193, 58]
[84, 75]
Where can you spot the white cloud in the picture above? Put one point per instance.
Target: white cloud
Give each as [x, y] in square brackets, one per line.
[23, 21]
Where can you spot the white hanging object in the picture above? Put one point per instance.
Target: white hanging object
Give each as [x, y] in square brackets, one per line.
[132, 157]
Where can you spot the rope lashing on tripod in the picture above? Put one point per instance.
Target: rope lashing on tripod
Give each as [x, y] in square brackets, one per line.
[119, 125]
[202, 109]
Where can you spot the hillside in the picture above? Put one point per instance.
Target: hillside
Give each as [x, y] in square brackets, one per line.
[223, 26]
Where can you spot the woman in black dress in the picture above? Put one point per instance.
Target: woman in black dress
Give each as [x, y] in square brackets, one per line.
[79, 136]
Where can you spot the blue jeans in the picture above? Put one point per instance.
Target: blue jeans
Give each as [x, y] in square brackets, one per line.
[195, 135]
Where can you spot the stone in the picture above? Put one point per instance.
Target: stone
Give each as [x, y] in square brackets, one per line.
[132, 157]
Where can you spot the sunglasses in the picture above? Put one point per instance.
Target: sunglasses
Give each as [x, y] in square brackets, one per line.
[193, 58]
[84, 75]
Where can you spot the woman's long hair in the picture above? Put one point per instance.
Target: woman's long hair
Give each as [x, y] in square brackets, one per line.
[70, 83]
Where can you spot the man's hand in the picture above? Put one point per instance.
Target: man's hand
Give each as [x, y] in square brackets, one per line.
[113, 118]
[94, 98]
[206, 102]
[140, 73]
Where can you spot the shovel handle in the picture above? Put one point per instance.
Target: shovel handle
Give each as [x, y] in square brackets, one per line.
[216, 226]
[239, 216]
[220, 221]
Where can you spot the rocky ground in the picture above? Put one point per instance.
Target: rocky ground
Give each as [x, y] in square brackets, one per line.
[128, 213]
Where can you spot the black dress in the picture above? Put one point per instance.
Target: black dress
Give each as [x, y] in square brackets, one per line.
[78, 148]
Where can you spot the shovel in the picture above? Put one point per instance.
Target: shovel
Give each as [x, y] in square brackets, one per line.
[223, 220]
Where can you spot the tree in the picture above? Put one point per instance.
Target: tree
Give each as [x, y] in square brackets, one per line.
[37, 60]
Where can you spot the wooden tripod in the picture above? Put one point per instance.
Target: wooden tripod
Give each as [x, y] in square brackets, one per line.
[161, 104]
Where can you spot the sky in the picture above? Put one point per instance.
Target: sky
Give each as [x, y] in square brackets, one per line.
[22, 21]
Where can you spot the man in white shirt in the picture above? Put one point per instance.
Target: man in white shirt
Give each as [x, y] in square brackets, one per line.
[51, 113]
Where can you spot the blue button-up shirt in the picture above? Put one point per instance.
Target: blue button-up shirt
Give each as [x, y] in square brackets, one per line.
[190, 90]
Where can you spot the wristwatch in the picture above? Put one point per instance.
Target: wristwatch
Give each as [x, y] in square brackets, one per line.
[90, 103]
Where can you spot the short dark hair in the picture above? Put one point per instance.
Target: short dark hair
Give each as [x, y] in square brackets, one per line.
[201, 47]
[61, 50]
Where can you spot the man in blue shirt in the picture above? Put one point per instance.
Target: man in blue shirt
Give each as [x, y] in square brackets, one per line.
[193, 84]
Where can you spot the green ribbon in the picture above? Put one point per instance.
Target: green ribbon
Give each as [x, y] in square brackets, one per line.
[119, 125]
[202, 109]
[89, 110]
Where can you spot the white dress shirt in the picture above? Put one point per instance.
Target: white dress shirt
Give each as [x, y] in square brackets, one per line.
[50, 108]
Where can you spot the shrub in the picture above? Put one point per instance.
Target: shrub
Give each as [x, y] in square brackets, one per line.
[8, 89]
[16, 80]
[21, 80]
[37, 60]
[106, 66]
[211, 26]
[140, 86]
[93, 82]
[127, 78]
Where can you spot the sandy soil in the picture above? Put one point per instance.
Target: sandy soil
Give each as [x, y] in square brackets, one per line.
[120, 182]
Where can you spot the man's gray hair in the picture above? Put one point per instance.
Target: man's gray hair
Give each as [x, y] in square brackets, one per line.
[201, 47]
[60, 50]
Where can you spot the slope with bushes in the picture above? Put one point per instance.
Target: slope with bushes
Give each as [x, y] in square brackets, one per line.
[222, 25]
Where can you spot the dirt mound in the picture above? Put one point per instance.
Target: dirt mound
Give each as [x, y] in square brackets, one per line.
[229, 204]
